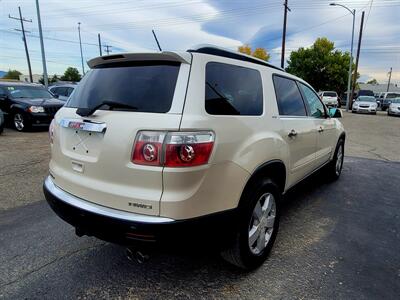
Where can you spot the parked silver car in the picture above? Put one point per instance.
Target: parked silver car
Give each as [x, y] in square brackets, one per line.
[394, 107]
[365, 104]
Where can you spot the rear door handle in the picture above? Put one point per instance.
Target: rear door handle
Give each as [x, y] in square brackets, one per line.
[292, 133]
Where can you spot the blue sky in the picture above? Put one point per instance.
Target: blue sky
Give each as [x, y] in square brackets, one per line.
[126, 26]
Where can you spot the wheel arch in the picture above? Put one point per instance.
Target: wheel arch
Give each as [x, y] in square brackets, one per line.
[342, 136]
[273, 169]
[15, 107]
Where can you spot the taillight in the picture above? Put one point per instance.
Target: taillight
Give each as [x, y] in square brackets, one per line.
[51, 131]
[187, 149]
[148, 148]
[173, 149]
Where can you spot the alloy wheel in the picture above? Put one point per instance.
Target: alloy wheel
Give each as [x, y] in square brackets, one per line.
[19, 122]
[262, 223]
[339, 160]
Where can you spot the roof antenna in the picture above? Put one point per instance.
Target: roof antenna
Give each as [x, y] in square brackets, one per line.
[155, 37]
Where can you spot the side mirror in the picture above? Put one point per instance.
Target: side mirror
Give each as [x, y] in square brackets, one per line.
[335, 113]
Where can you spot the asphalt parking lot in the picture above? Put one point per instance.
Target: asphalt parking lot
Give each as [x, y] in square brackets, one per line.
[337, 240]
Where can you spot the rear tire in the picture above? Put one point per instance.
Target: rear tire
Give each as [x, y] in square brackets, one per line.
[258, 226]
[334, 168]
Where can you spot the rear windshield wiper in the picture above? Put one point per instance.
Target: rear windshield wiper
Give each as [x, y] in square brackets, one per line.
[84, 112]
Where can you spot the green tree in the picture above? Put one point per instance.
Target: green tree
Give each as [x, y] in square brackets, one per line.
[373, 81]
[12, 74]
[260, 53]
[321, 65]
[71, 74]
[53, 79]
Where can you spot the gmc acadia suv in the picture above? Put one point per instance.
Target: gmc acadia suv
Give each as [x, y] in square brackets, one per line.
[168, 147]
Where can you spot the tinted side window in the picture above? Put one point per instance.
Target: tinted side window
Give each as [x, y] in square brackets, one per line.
[233, 90]
[54, 90]
[62, 91]
[316, 108]
[290, 102]
[69, 91]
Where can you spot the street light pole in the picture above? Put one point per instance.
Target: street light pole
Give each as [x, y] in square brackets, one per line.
[80, 45]
[353, 12]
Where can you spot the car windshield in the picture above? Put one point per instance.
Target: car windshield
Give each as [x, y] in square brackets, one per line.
[330, 94]
[366, 99]
[395, 100]
[144, 86]
[16, 92]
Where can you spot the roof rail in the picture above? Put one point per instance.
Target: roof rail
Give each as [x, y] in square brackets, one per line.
[213, 50]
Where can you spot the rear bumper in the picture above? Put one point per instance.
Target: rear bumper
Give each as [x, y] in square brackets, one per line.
[331, 105]
[127, 228]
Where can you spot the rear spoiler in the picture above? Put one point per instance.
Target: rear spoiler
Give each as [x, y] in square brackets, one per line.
[183, 57]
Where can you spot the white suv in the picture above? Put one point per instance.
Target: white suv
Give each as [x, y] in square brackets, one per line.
[173, 147]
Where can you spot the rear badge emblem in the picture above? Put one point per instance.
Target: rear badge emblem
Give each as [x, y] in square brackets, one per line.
[140, 205]
[76, 125]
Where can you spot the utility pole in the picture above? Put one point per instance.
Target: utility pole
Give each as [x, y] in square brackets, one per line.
[390, 78]
[98, 35]
[284, 34]
[24, 39]
[45, 77]
[155, 37]
[357, 59]
[80, 45]
[107, 48]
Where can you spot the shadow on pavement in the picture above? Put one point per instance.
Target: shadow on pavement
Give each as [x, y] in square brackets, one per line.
[337, 239]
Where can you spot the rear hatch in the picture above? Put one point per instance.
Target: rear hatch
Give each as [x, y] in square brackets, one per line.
[91, 154]
[329, 98]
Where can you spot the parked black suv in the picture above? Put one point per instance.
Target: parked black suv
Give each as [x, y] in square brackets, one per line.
[27, 104]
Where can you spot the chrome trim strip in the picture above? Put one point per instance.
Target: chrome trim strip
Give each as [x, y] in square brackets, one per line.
[101, 210]
[79, 124]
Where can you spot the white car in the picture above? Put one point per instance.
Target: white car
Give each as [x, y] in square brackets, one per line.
[63, 91]
[365, 104]
[394, 107]
[330, 99]
[387, 98]
[180, 147]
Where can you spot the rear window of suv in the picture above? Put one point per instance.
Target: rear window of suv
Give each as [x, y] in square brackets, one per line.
[233, 90]
[330, 94]
[147, 86]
